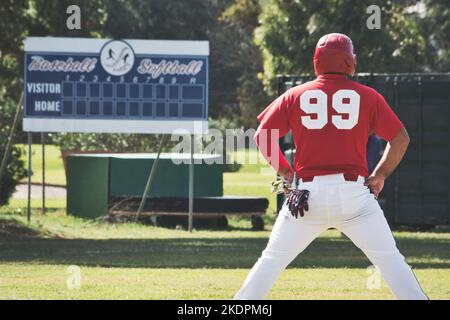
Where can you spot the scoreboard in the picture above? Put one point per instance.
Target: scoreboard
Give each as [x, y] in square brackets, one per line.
[115, 86]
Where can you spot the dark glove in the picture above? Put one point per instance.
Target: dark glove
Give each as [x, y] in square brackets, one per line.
[297, 202]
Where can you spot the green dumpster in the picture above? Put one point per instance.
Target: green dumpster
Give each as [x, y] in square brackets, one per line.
[93, 179]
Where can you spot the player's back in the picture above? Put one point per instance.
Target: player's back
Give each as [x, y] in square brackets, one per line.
[331, 119]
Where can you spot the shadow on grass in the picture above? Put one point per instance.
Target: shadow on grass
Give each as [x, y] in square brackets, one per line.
[333, 252]
[11, 229]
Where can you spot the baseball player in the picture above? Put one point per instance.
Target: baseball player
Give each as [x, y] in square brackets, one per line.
[331, 119]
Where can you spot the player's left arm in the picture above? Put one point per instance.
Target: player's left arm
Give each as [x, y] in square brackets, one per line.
[274, 124]
[388, 126]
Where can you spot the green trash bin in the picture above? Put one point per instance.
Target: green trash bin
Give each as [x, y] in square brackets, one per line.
[87, 185]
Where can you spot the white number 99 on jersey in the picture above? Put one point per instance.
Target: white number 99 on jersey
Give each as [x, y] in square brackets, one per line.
[343, 101]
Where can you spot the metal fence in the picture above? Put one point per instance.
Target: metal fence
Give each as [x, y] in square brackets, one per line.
[418, 192]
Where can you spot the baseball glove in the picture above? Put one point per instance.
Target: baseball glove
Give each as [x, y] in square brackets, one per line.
[297, 200]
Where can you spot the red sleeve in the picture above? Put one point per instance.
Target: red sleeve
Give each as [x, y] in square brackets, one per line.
[385, 122]
[275, 116]
[274, 125]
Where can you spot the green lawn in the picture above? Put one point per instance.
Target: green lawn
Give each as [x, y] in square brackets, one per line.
[48, 281]
[143, 262]
[135, 261]
[50, 203]
[54, 169]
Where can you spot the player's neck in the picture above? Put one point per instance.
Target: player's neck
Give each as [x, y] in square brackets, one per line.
[332, 76]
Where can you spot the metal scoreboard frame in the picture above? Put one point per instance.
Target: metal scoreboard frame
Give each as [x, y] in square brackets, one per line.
[115, 86]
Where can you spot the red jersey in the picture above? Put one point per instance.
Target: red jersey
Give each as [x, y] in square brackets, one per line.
[331, 119]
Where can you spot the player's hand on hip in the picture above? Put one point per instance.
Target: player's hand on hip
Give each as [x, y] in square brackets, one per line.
[375, 184]
[286, 174]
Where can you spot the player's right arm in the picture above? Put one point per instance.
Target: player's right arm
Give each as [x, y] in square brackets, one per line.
[393, 154]
[387, 125]
[274, 124]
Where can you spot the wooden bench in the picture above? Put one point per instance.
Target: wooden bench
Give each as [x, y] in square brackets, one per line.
[170, 212]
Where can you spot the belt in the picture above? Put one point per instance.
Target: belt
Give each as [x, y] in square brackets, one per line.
[347, 177]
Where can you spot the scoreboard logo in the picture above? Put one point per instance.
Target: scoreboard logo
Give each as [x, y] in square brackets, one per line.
[117, 57]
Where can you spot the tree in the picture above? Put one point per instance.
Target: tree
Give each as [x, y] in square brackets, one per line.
[15, 168]
[48, 18]
[241, 19]
[434, 21]
[290, 30]
[12, 28]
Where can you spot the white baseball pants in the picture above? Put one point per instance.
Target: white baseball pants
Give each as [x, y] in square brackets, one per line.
[333, 203]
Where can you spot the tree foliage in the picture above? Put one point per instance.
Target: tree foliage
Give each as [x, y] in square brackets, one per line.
[15, 169]
[13, 28]
[435, 24]
[241, 19]
[290, 29]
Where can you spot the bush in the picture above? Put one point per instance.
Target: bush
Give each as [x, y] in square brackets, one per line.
[105, 142]
[15, 168]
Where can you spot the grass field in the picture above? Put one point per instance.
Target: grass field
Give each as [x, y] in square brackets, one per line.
[54, 169]
[134, 261]
[143, 262]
